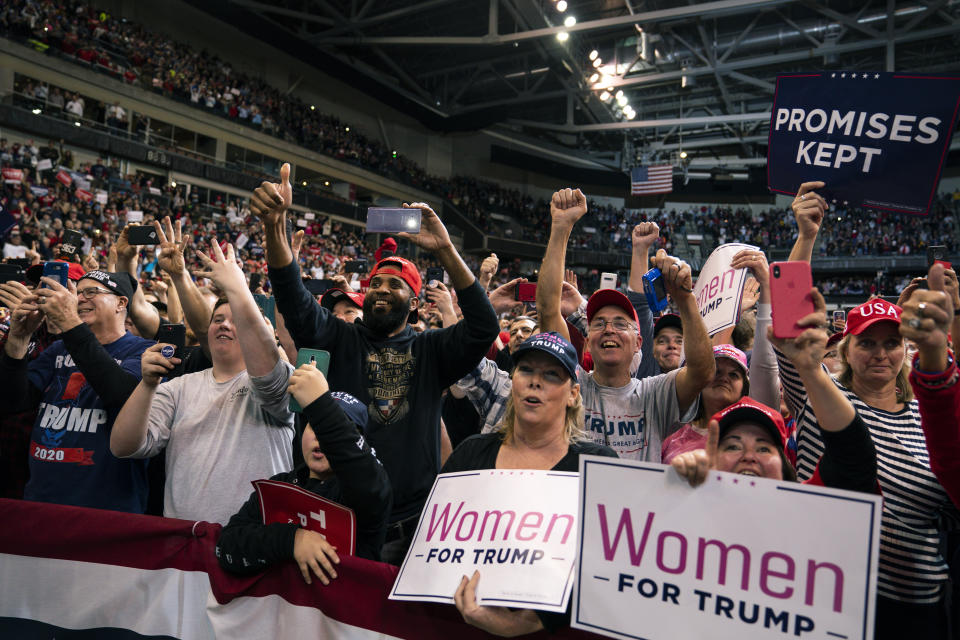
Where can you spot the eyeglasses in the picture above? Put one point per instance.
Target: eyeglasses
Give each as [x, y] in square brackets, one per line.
[91, 292]
[618, 324]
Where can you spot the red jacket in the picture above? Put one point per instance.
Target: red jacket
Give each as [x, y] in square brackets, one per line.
[939, 398]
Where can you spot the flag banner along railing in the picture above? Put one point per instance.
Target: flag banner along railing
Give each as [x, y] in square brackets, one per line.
[877, 140]
[739, 557]
[122, 576]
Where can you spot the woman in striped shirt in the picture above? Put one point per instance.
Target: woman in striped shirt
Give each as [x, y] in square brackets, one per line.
[910, 586]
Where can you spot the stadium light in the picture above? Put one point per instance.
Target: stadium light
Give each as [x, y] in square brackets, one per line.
[594, 78]
[683, 155]
[173, 183]
[594, 54]
[569, 21]
[619, 94]
[77, 123]
[37, 112]
[561, 5]
[605, 96]
[563, 36]
[326, 183]
[313, 107]
[304, 183]
[347, 129]
[597, 62]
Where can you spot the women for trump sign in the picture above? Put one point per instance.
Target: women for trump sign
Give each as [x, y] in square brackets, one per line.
[516, 527]
[739, 557]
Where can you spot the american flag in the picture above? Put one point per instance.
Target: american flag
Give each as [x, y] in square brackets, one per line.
[647, 180]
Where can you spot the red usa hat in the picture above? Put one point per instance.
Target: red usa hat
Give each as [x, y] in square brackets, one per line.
[402, 268]
[749, 410]
[74, 271]
[607, 298]
[869, 313]
[333, 296]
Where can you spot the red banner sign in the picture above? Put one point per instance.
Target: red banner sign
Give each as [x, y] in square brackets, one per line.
[65, 178]
[14, 176]
[288, 503]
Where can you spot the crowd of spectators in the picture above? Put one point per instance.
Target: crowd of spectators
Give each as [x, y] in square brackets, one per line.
[138, 55]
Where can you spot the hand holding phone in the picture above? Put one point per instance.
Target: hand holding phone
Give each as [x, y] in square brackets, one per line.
[434, 274]
[654, 290]
[393, 220]
[56, 270]
[71, 243]
[267, 306]
[142, 234]
[304, 386]
[790, 284]
[526, 292]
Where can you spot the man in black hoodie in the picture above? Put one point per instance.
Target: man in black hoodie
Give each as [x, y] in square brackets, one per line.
[397, 373]
[338, 465]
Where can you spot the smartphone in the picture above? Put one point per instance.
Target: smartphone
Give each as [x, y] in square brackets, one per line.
[23, 263]
[318, 286]
[387, 220]
[267, 306]
[317, 357]
[936, 253]
[654, 290]
[434, 273]
[608, 280]
[839, 315]
[142, 234]
[57, 271]
[526, 292]
[356, 266]
[12, 273]
[71, 244]
[176, 335]
[790, 284]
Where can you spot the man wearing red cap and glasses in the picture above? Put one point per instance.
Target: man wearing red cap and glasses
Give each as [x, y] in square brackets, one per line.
[397, 373]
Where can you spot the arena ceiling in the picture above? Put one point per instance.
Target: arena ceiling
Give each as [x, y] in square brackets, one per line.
[694, 76]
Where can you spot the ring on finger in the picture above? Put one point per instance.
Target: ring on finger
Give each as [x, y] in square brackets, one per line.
[914, 323]
[803, 197]
[921, 308]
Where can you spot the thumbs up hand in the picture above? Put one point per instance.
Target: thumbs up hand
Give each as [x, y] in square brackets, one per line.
[270, 200]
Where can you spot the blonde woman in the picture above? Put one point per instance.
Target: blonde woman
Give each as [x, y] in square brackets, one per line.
[542, 429]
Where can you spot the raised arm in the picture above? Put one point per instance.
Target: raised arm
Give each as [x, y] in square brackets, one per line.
[764, 373]
[567, 206]
[433, 237]
[830, 406]
[195, 308]
[934, 377]
[808, 209]
[487, 269]
[130, 428]
[644, 236]
[269, 202]
[260, 352]
[144, 315]
[700, 366]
